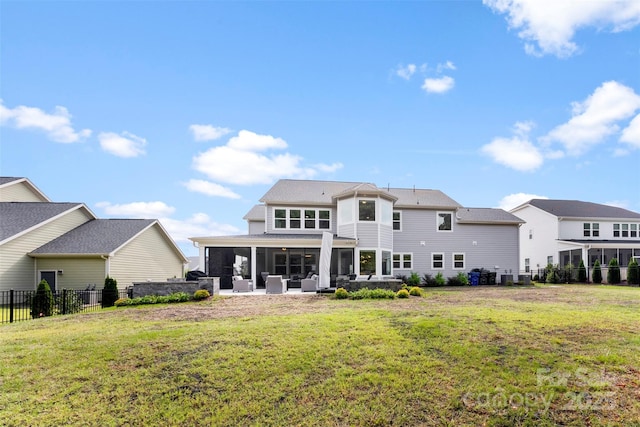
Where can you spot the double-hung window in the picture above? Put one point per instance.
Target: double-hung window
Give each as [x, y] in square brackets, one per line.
[437, 261]
[403, 261]
[397, 221]
[458, 261]
[296, 219]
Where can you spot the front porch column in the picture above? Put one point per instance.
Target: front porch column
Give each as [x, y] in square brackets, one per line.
[254, 274]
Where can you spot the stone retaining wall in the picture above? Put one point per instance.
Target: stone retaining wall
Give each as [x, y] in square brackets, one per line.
[211, 284]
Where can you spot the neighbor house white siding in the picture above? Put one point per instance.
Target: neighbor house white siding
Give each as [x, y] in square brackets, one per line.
[538, 237]
[20, 192]
[17, 269]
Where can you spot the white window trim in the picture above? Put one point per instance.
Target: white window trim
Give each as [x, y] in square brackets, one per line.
[399, 221]
[401, 255]
[438, 225]
[376, 207]
[302, 219]
[453, 260]
[432, 261]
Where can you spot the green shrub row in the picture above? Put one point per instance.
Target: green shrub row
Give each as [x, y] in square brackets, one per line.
[163, 299]
[366, 293]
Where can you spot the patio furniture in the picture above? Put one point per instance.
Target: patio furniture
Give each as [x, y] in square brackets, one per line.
[275, 285]
[242, 285]
[309, 285]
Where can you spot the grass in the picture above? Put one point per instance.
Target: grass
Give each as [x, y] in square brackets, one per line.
[544, 355]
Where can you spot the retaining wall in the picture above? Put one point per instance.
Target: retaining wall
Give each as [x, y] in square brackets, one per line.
[211, 284]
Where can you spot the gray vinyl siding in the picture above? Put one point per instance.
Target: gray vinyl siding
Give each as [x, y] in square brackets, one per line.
[77, 272]
[19, 193]
[347, 230]
[386, 236]
[17, 269]
[256, 227]
[147, 257]
[496, 245]
[367, 234]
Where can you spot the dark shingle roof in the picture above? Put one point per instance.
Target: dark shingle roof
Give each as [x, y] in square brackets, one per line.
[487, 216]
[99, 236]
[7, 179]
[16, 217]
[578, 209]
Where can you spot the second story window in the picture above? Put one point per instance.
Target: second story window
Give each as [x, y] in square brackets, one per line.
[587, 229]
[292, 219]
[367, 210]
[444, 221]
[397, 221]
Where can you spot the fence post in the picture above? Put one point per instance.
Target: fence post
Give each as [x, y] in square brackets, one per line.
[64, 301]
[11, 306]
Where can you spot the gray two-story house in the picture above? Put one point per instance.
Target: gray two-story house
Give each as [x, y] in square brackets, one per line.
[376, 231]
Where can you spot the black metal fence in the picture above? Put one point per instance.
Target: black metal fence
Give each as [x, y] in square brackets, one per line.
[17, 306]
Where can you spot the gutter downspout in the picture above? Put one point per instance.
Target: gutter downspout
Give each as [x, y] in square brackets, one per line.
[107, 265]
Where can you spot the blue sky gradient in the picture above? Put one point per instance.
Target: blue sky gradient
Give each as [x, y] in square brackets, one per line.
[189, 111]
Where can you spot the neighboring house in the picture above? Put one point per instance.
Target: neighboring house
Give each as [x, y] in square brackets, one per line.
[562, 232]
[66, 244]
[379, 232]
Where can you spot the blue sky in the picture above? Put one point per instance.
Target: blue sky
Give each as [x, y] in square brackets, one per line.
[189, 111]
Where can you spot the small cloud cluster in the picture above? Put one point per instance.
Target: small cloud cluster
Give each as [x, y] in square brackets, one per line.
[549, 27]
[199, 224]
[208, 132]
[247, 158]
[57, 126]
[593, 121]
[514, 200]
[437, 83]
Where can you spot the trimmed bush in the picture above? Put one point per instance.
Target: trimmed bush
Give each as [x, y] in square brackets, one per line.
[633, 272]
[42, 302]
[366, 293]
[440, 280]
[413, 280]
[415, 291]
[582, 272]
[109, 292]
[341, 293]
[613, 273]
[153, 299]
[402, 293]
[201, 294]
[597, 272]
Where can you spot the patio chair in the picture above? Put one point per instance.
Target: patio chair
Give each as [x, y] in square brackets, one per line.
[309, 285]
[242, 285]
[274, 285]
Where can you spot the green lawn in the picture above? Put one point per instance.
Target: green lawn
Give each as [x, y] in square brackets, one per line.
[501, 356]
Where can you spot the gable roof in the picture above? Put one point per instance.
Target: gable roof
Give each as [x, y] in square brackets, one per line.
[290, 191]
[486, 216]
[579, 209]
[7, 181]
[257, 213]
[96, 237]
[19, 217]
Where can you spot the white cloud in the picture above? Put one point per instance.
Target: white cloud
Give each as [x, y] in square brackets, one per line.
[516, 153]
[328, 168]
[595, 118]
[208, 132]
[548, 27]
[406, 72]
[210, 189]
[514, 200]
[125, 145]
[446, 66]
[56, 125]
[438, 85]
[631, 135]
[198, 225]
[137, 209]
[242, 162]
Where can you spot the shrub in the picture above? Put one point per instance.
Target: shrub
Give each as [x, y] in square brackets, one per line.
[460, 279]
[415, 291]
[536, 278]
[154, 299]
[201, 294]
[439, 279]
[414, 279]
[597, 272]
[121, 302]
[582, 272]
[42, 302]
[552, 274]
[109, 292]
[428, 280]
[366, 293]
[402, 293]
[633, 272]
[568, 273]
[613, 273]
[70, 302]
[341, 293]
